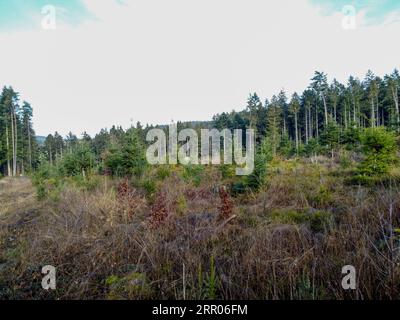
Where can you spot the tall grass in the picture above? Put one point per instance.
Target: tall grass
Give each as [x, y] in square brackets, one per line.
[289, 241]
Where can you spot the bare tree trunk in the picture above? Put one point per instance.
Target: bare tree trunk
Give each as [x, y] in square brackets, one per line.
[8, 152]
[284, 125]
[274, 137]
[372, 113]
[377, 112]
[13, 144]
[316, 122]
[325, 109]
[16, 143]
[306, 124]
[334, 112]
[29, 146]
[396, 103]
[310, 123]
[297, 132]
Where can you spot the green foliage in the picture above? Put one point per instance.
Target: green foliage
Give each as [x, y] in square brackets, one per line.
[131, 286]
[351, 137]
[227, 171]
[286, 146]
[345, 161]
[258, 177]
[313, 148]
[211, 281]
[193, 173]
[330, 137]
[163, 172]
[48, 182]
[379, 149]
[80, 161]
[127, 158]
[149, 186]
[318, 221]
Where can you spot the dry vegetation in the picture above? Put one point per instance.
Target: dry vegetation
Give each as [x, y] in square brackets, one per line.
[191, 240]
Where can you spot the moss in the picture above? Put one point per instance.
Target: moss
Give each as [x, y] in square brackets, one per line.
[131, 286]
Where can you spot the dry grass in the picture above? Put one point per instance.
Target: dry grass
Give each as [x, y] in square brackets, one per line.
[288, 242]
[16, 195]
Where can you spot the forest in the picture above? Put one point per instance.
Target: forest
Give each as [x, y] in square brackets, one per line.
[321, 119]
[324, 194]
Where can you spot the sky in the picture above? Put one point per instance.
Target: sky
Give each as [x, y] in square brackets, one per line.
[122, 61]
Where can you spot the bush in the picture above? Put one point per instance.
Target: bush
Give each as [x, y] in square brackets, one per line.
[379, 149]
[78, 162]
[193, 173]
[47, 182]
[128, 158]
[351, 137]
[259, 176]
[312, 148]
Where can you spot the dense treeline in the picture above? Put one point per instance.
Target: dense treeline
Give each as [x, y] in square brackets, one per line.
[319, 120]
[18, 147]
[322, 115]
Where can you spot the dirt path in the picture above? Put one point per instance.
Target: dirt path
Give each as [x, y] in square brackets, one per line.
[17, 195]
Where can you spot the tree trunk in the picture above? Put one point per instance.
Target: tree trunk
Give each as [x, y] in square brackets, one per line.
[396, 103]
[377, 112]
[8, 152]
[335, 112]
[372, 113]
[316, 122]
[297, 133]
[284, 125]
[29, 146]
[306, 124]
[13, 144]
[16, 143]
[325, 110]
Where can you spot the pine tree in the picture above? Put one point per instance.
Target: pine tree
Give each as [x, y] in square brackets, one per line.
[294, 109]
[320, 85]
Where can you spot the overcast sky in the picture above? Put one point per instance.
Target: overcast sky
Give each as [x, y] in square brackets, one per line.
[113, 61]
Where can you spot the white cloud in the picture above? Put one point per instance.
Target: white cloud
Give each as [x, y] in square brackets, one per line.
[159, 60]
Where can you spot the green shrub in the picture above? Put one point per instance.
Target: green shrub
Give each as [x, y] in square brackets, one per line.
[193, 173]
[318, 221]
[128, 158]
[163, 172]
[313, 148]
[47, 182]
[351, 137]
[258, 177]
[79, 162]
[379, 149]
[149, 186]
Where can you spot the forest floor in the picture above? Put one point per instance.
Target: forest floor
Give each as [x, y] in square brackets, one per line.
[290, 240]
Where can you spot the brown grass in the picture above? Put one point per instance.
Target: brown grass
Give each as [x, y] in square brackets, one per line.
[288, 242]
